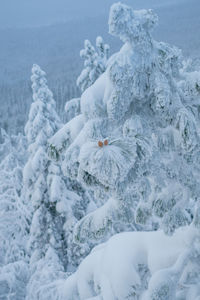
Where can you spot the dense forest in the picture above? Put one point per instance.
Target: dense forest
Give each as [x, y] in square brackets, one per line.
[56, 49]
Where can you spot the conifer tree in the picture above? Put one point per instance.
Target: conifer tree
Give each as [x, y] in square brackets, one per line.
[55, 202]
[138, 146]
[13, 219]
[72, 108]
[137, 124]
[94, 62]
[46, 243]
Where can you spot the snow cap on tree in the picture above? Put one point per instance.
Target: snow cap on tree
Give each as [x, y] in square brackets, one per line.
[43, 120]
[38, 78]
[130, 25]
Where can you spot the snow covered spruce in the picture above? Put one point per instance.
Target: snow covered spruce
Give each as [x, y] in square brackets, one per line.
[55, 202]
[134, 144]
[13, 219]
[94, 62]
[45, 241]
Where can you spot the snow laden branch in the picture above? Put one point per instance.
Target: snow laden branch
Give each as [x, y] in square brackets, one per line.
[138, 265]
[95, 61]
[14, 216]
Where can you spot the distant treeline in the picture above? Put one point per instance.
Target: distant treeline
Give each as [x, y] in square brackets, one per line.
[56, 49]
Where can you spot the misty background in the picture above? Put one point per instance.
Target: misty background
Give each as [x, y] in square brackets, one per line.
[51, 34]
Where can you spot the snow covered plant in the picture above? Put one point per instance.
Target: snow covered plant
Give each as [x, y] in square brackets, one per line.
[72, 108]
[134, 144]
[41, 179]
[94, 62]
[13, 228]
[142, 266]
[135, 141]
[55, 202]
[42, 123]
[13, 219]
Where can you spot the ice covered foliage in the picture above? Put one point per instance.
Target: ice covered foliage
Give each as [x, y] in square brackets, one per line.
[70, 203]
[42, 124]
[65, 136]
[95, 61]
[135, 136]
[190, 83]
[73, 201]
[55, 202]
[5, 143]
[43, 282]
[13, 280]
[43, 187]
[71, 198]
[72, 108]
[43, 120]
[135, 146]
[13, 219]
[140, 265]
[13, 228]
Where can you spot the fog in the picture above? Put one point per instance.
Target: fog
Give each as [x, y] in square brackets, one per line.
[31, 13]
[25, 40]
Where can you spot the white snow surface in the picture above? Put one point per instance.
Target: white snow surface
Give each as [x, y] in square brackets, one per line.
[111, 271]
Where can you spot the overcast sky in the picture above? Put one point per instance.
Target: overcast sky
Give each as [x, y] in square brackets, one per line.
[26, 13]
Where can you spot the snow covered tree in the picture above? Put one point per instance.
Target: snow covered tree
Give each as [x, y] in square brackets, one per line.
[72, 108]
[138, 135]
[5, 143]
[56, 201]
[13, 211]
[135, 145]
[73, 202]
[13, 279]
[103, 155]
[94, 62]
[41, 176]
[126, 160]
[13, 216]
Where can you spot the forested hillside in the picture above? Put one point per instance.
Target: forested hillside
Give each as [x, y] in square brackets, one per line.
[56, 48]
